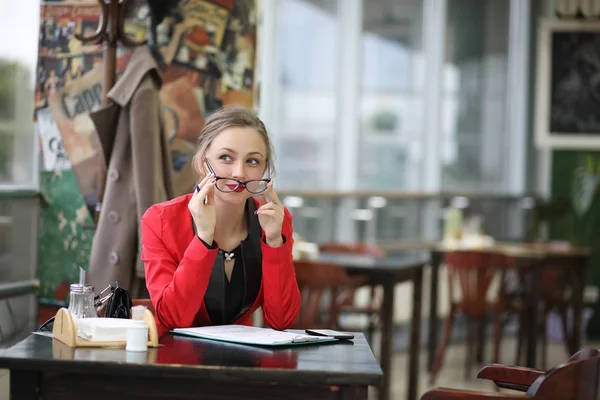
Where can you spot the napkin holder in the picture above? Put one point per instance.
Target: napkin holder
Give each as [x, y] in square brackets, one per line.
[65, 331]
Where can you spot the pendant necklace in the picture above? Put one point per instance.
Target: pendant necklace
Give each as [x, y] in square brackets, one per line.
[228, 256]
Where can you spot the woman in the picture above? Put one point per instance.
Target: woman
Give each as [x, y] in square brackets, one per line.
[215, 256]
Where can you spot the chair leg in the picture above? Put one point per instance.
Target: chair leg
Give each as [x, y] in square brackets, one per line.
[441, 350]
[371, 327]
[544, 336]
[470, 344]
[479, 355]
[497, 336]
[567, 336]
[523, 328]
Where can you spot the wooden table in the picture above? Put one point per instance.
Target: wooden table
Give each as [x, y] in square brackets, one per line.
[530, 258]
[184, 368]
[387, 272]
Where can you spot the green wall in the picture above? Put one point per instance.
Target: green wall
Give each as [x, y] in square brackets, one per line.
[65, 238]
[575, 176]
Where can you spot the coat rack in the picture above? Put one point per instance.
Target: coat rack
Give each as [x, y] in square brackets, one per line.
[110, 31]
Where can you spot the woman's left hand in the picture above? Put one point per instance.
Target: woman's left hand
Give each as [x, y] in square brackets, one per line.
[270, 217]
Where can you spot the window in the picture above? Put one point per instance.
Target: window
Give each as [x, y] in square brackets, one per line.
[391, 95]
[385, 109]
[19, 206]
[306, 88]
[395, 96]
[475, 151]
[18, 58]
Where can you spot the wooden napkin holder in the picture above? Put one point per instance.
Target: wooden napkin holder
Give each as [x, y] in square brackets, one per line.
[65, 331]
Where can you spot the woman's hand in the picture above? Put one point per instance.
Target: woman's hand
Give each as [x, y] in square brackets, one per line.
[204, 215]
[270, 217]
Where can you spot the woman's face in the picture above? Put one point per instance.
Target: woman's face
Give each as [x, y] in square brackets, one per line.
[238, 153]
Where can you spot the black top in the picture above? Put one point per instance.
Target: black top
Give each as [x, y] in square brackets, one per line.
[225, 300]
[234, 292]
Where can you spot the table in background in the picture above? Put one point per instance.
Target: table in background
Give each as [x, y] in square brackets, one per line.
[387, 272]
[41, 367]
[529, 258]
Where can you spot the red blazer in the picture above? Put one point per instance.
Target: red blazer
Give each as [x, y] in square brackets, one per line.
[178, 267]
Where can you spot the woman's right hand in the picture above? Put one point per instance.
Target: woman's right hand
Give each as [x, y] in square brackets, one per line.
[204, 214]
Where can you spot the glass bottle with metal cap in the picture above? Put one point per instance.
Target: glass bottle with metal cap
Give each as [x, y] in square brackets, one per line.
[81, 298]
[81, 301]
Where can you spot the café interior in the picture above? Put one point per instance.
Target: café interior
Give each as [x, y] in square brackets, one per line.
[442, 195]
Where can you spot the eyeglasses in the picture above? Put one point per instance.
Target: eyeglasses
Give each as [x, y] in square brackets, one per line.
[229, 185]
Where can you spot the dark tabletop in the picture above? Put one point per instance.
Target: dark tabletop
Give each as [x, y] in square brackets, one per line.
[392, 263]
[338, 363]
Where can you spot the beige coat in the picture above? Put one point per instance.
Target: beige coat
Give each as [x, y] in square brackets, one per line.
[134, 145]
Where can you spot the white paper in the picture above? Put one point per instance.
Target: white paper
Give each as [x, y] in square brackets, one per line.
[250, 335]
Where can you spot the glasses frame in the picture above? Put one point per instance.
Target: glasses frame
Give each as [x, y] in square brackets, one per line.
[239, 183]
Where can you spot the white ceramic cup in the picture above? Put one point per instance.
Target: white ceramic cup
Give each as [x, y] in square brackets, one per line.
[137, 336]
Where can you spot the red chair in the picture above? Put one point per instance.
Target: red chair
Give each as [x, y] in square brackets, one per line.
[521, 378]
[315, 280]
[575, 380]
[554, 295]
[346, 299]
[473, 272]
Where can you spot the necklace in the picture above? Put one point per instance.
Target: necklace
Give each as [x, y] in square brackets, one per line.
[228, 256]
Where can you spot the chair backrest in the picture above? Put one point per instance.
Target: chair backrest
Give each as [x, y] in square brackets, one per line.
[555, 279]
[584, 354]
[474, 272]
[315, 279]
[352, 248]
[575, 380]
[521, 378]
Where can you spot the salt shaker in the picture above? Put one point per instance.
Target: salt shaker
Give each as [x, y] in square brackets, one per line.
[137, 336]
[81, 301]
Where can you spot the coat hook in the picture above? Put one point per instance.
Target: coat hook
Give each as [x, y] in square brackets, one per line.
[99, 35]
[111, 26]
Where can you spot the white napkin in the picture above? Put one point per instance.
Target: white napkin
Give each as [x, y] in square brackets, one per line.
[105, 329]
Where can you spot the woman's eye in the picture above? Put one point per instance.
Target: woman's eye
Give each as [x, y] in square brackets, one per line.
[253, 161]
[225, 157]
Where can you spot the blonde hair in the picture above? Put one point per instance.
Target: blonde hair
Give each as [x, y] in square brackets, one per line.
[229, 117]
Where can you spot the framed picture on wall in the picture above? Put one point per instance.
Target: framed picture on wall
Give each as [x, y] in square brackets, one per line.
[567, 114]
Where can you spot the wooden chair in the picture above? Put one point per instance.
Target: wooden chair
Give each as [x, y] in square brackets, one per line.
[315, 279]
[521, 378]
[575, 380]
[473, 272]
[553, 296]
[346, 299]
